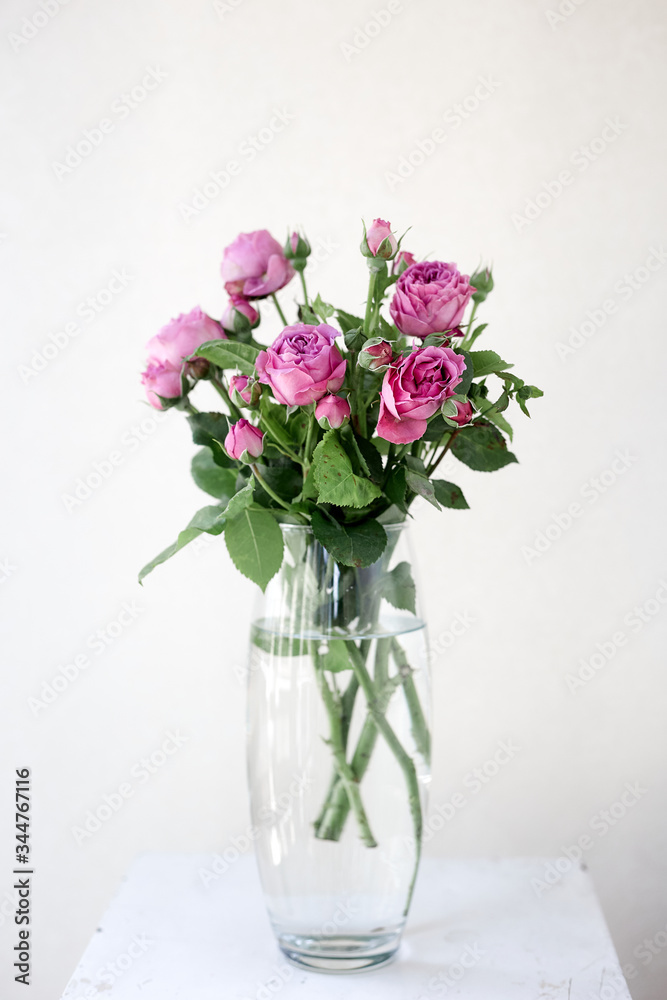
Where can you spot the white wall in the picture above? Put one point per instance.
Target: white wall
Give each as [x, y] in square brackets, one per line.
[356, 114]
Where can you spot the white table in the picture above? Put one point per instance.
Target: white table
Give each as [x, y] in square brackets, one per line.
[478, 930]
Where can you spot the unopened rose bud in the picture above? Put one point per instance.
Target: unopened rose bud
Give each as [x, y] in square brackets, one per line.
[244, 391]
[297, 248]
[482, 282]
[239, 316]
[375, 355]
[457, 412]
[198, 368]
[403, 259]
[379, 241]
[244, 442]
[332, 412]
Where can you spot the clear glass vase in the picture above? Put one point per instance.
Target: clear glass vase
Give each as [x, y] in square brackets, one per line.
[338, 751]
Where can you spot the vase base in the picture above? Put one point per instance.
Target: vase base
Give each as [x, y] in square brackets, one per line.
[338, 954]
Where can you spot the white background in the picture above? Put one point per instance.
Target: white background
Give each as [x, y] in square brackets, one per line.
[360, 107]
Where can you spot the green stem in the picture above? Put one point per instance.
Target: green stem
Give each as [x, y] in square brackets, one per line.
[466, 339]
[308, 447]
[221, 388]
[403, 759]
[303, 285]
[267, 489]
[418, 725]
[431, 469]
[277, 305]
[336, 743]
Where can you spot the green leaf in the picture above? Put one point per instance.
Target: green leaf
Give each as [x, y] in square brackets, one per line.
[466, 381]
[211, 477]
[334, 477]
[422, 485]
[399, 589]
[527, 392]
[449, 495]
[240, 500]
[499, 420]
[211, 429]
[306, 315]
[396, 486]
[278, 645]
[357, 545]
[323, 309]
[486, 362]
[347, 321]
[255, 544]
[230, 354]
[285, 480]
[208, 519]
[476, 332]
[482, 447]
[336, 657]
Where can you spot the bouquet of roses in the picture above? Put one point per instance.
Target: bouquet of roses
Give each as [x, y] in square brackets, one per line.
[337, 427]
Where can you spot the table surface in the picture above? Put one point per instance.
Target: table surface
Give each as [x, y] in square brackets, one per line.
[478, 930]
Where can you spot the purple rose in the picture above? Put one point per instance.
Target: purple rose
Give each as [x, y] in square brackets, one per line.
[255, 266]
[414, 389]
[239, 315]
[332, 412]
[244, 442]
[430, 298]
[302, 364]
[169, 348]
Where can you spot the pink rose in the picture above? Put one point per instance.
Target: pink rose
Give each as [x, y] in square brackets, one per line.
[464, 413]
[403, 260]
[161, 380]
[332, 412]
[414, 389]
[244, 391]
[182, 336]
[255, 266]
[244, 442]
[302, 364]
[430, 298]
[169, 348]
[380, 240]
[376, 354]
[235, 323]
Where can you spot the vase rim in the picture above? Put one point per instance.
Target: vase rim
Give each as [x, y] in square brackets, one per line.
[308, 528]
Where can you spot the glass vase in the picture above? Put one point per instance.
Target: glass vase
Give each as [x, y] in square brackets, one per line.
[338, 751]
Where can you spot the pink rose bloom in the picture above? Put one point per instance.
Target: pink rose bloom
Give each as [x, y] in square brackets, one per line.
[414, 389]
[464, 413]
[376, 354]
[403, 259]
[169, 348]
[161, 380]
[332, 412]
[182, 336]
[255, 266]
[376, 235]
[430, 298]
[244, 442]
[302, 364]
[237, 304]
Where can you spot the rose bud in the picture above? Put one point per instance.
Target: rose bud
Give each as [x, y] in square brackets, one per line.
[457, 412]
[402, 261]
[255, 266]
[239, 316]
[483, 282]
[379, 241]
[161, 379]
[302, 364]
[332, 412]
[244, 391]
[244, 442]
[297, 250]
[375, 355]
[430, 297]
